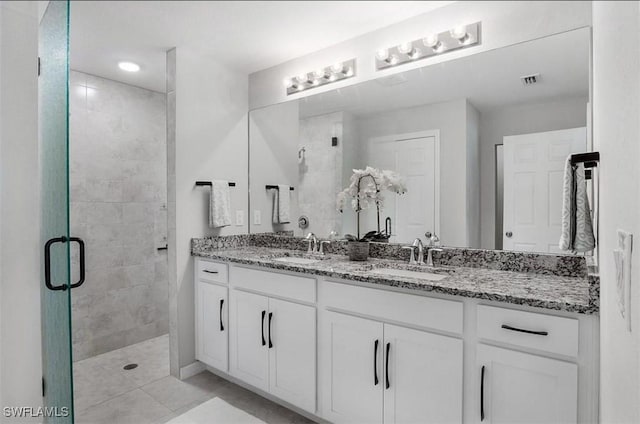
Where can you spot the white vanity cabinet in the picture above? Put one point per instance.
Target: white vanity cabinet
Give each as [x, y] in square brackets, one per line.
[351, 352]
[381, 373]
[520, 387]
[273, 340]
[212, 324]
[400, 374]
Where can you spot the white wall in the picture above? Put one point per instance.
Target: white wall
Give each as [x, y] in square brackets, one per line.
[20, 352]
[513, 120]
[450, 119]
[616, 102]
[503, 23]
[274, 160]
[211, 127]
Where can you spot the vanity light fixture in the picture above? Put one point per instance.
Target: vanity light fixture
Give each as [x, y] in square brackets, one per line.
[460, 37]
[336, 72]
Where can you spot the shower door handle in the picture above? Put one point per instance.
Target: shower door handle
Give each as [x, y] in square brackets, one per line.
[47, 263]
[82, 267]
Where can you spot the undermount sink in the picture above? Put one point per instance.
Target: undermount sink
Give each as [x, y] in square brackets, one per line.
[295, 260]
[424, 275]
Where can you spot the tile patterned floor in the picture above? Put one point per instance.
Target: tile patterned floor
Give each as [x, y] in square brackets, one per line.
[106, 393]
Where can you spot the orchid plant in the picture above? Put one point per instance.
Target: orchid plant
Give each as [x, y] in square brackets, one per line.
[365, 190]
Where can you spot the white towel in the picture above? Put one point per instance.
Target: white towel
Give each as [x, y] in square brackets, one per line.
[220, 204]
[577, 227]
[281, 205]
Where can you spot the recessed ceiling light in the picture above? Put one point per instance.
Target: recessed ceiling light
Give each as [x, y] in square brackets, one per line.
[129, 66]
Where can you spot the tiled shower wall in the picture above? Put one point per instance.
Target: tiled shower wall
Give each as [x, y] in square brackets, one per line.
[118, 178]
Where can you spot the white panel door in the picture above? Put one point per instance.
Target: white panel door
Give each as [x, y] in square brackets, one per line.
[292, 353]
[353, 380]
[424, 376]
[524, 388]
[533, 173]
[415, 212]
[212, 325]
[249, 351]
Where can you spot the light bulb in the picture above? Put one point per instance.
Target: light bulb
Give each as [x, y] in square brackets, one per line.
[303, 78]
[460, 34]
[382, 54]
[315, 82]
[393, 59]
[333, 77]
[337, 67]
[349, 72]
[405, 48]
[288, 82]
[319, 73]
[416, 53]
[432, 41]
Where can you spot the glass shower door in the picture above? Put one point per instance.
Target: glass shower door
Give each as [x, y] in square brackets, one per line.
[53, 86]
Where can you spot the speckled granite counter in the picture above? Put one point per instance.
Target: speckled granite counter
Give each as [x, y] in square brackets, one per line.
[557, 292]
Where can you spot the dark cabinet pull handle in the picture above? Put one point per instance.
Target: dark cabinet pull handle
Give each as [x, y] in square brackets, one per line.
[221, 324]
[387, 366]
[82, 267]
[375, 362]
[270, 343]
[264, 342]
[520, 330]
[209, 272]
[47, 263]
[482, 394]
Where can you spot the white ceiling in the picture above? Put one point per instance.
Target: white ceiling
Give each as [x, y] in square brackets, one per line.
[488, 80]
[246, 35]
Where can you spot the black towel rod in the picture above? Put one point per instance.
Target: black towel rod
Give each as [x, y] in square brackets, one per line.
[275, 187]
[208, 183]
[590, 159]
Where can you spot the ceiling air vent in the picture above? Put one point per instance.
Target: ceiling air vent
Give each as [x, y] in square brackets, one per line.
[530, 79]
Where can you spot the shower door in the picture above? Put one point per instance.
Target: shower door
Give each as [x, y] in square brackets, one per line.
[53, 100]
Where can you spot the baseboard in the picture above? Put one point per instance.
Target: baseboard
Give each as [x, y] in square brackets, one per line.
[192, 369]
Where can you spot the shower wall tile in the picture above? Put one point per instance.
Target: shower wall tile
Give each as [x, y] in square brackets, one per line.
[118, 172]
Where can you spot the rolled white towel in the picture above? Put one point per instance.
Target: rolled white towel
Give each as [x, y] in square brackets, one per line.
[219, 204]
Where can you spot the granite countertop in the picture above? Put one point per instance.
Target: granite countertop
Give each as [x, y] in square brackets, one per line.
[564, 293]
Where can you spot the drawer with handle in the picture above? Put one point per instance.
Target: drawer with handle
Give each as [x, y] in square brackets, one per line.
[530, 330]
[212, 271]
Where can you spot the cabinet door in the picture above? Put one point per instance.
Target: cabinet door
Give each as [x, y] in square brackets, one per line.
[423, 379]
[524, 388]
[212, 325]
[352, 369]
[292, 353]
[249, 360]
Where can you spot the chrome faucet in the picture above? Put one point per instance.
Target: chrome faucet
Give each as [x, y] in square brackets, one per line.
[322, 243]
[313, 243]
[430, 251]
[432, 246]
[418, 243]
[412, 258]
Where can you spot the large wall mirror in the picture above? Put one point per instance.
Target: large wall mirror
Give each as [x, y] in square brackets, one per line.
[481, 149]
